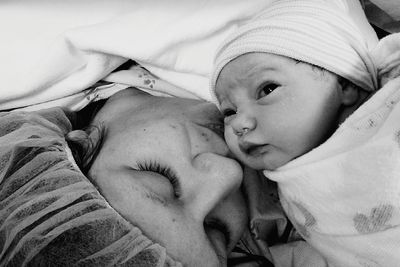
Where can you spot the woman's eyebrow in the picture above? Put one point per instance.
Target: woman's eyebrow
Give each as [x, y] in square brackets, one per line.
[147, 193]
[154, 198]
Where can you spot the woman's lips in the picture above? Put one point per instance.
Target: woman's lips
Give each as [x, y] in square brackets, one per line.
[217, 239]
[253, 150]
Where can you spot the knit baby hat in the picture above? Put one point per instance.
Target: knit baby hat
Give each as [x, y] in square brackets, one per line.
[329, 34]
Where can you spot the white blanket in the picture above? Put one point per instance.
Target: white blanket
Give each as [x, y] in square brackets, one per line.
[51, 49]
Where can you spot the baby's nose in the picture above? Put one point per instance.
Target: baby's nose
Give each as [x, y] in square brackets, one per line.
[243, 124]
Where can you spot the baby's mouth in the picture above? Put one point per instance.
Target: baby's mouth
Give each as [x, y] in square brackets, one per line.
[253, 150]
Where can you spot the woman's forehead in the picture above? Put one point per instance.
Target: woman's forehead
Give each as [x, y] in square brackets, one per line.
[193, 110]
[133, 107]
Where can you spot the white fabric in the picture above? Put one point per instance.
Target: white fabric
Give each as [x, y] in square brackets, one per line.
[344, 196]
[381, 18]
[391, 7]
[50, 49]
[334, 35]
[386, 56]
[135, 76]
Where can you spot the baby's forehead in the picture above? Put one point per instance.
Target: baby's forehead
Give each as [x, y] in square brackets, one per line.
[251, 65]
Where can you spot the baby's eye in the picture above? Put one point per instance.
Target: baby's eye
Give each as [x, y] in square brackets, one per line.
[266, 89]
[228, 112]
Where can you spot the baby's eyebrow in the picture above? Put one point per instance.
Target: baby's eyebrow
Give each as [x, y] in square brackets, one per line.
[254, 71]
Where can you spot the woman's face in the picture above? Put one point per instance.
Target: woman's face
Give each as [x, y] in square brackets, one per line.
[164, 167]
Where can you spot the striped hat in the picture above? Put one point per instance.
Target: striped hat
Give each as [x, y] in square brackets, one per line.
[320, 32]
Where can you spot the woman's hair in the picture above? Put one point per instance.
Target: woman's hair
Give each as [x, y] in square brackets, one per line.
[86, 138]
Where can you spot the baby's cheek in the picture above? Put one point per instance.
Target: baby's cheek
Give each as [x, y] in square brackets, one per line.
[231, 141]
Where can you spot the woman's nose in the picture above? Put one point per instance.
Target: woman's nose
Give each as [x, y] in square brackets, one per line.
[243, 123]
[216, 178]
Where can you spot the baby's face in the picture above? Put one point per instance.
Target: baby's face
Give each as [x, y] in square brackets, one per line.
[275, 108]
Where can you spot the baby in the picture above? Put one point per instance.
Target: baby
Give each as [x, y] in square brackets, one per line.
[293, 85]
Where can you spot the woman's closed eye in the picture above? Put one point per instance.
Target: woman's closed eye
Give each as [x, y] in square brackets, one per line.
[266, 88]
[163, 170]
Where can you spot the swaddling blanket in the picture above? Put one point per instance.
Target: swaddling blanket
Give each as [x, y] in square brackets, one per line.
[344, 196]
[50, 213]
[50, 50]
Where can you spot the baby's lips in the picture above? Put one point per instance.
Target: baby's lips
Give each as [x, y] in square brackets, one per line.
[245, 146]
[252, 149]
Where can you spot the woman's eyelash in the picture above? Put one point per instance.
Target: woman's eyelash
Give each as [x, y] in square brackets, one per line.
[220, 226]
[164, 170]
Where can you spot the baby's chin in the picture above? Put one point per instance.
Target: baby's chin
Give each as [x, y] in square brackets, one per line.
[261, 164]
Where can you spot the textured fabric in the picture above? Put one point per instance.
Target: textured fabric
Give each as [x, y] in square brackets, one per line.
[134, 76]
[387, 58]
[392, 7]
[270, 234]
[319, 32]
[50, 213]
[343, 196]
[268, 223]
[380, 15]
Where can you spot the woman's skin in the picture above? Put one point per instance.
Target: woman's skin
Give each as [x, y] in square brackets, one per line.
[164, 166]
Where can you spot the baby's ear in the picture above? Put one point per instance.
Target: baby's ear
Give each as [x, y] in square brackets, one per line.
[350, 92]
